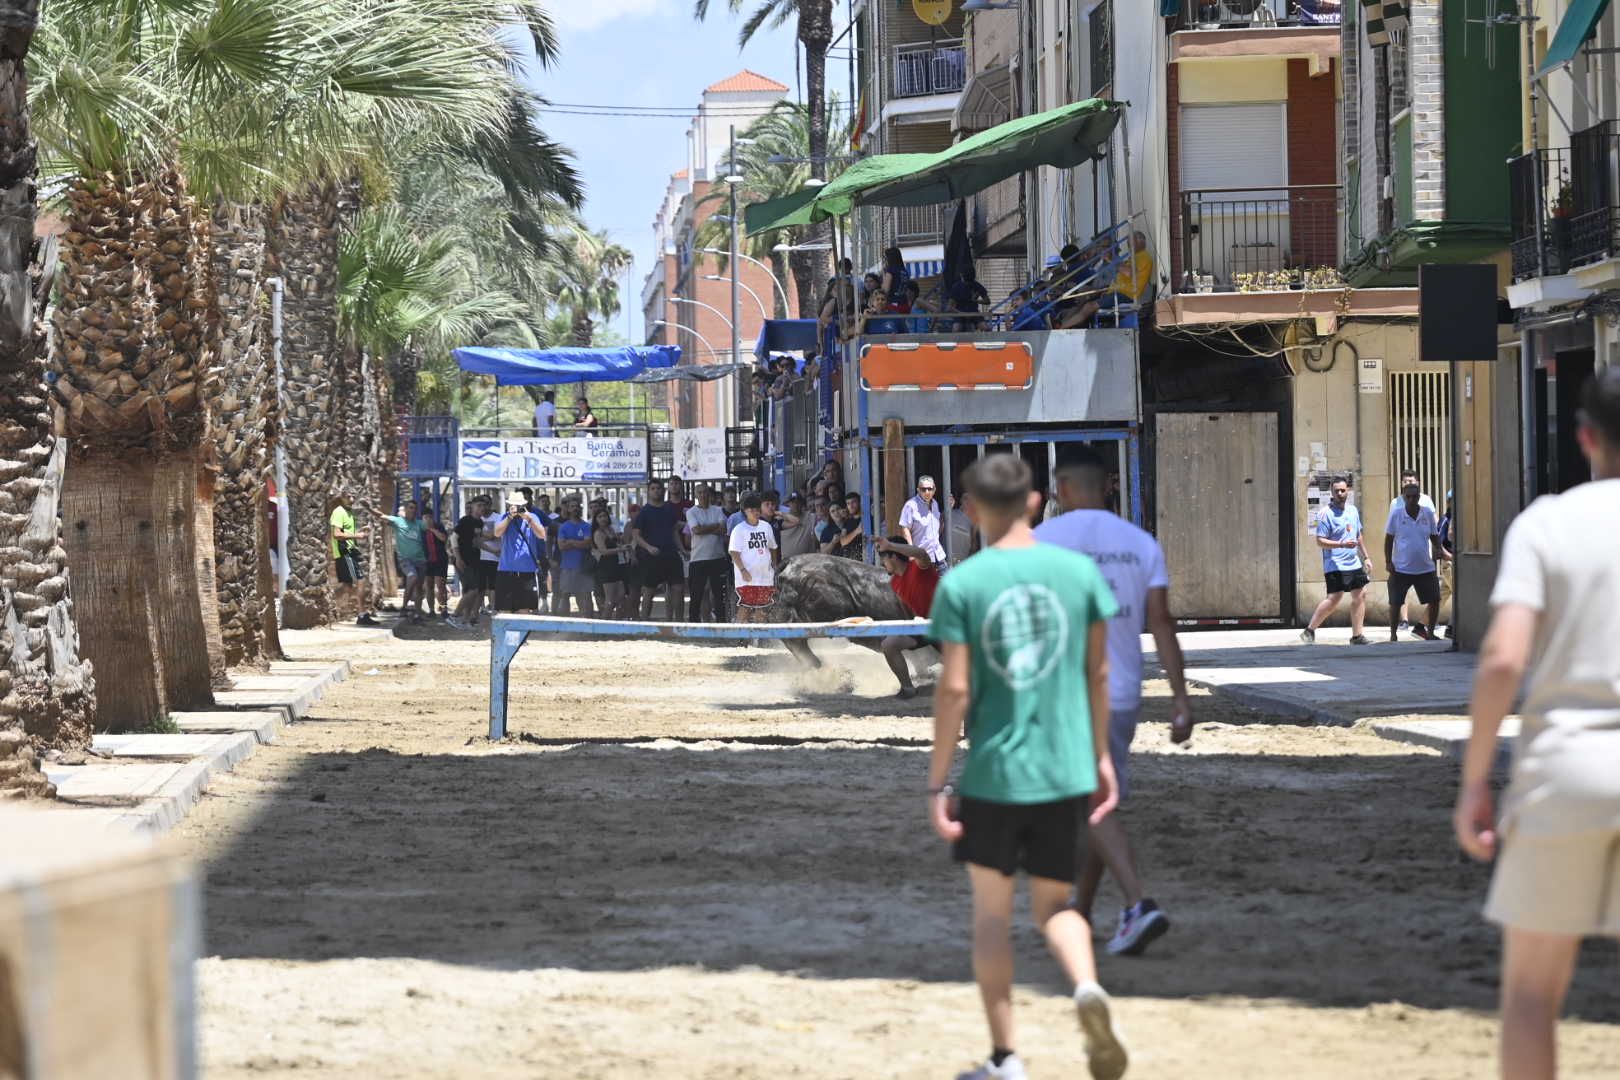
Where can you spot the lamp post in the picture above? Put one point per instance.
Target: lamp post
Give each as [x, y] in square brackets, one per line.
[764, 313]
[715, 353]
[732, 180]
[718, 313]
[777, 282]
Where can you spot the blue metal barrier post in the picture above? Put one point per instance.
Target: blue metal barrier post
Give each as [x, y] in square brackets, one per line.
[503, 646]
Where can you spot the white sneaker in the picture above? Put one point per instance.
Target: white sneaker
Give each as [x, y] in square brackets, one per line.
[1011, 1069]
[1105, 1054]
[1139, 927]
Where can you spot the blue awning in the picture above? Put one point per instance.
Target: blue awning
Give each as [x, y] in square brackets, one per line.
[925, 268]
[546, 367]
[785, 335]
[1579, 23]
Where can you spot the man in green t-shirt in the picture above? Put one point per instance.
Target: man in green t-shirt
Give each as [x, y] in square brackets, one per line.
[410, 550]
[1023, 631]
[346, 557]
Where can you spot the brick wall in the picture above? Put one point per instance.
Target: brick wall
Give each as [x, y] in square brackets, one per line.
[1426, 63]
[1313, 158]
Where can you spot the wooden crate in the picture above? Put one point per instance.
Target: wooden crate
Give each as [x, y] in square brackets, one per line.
[98, 938]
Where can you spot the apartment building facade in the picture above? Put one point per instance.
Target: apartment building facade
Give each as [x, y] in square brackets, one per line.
[685, 298]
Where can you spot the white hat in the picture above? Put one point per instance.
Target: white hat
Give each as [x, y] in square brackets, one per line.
[515, 498]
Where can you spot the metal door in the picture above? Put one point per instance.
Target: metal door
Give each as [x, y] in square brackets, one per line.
[1219, 513]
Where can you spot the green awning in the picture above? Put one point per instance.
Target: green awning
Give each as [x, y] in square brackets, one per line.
[1580, 20]
[1063, 137]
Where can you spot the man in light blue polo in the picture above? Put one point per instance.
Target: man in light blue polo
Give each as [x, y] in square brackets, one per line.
[1344, 562]
[919, 521]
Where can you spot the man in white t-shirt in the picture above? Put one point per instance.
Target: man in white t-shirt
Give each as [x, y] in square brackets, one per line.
[1557, 847]
[545, 416]
[1409, 476]
[753, 558]
[1412, 551]
[1133, 564]
[706, 573]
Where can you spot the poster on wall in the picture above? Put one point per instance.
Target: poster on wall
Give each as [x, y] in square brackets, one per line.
[700, 453]
[579, 460]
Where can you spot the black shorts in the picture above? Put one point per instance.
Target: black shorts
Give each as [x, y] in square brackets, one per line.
[1339, 581]
[348, 570]
[608, 570]
[480, 575]
[438, 569]
[514, 591]
[1427, 586]
[663, 568]
[1047, 840]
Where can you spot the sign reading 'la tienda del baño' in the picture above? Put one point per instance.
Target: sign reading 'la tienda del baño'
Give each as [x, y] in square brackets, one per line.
[564, 461]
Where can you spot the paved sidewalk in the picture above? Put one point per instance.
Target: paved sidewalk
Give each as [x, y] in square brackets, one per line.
[148, 782]
[1334, 682]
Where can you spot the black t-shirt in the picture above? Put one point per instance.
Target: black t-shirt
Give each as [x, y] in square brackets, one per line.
[467, 530]
[656, 524]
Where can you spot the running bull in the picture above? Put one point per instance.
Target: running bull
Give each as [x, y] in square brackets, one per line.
[828, 588]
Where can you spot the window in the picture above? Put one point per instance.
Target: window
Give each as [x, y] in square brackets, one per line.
[1100, 35]
[1233, 146]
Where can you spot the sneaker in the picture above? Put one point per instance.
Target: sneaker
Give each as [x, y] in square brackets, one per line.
[1105, 1054]
[1011, 1069]
[1422, 631]
[1308, 636]
[1139, 927]
[906, 693]
[366, 620]
[454, 623]
[1404, 626]
[1360, 639]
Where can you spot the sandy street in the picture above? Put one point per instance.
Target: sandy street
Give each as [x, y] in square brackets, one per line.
[691, 861]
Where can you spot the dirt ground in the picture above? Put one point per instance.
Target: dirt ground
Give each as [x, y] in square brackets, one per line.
[693, 861]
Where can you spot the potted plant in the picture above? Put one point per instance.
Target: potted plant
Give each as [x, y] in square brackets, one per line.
[1563, 208]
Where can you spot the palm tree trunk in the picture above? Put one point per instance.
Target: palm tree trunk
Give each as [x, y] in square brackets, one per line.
[804, 281]
[303, 251]
[47, 695]
[815, 34]
[779, 268]
[243, 407]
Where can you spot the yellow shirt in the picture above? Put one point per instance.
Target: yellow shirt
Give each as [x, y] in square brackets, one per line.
[1133, 278]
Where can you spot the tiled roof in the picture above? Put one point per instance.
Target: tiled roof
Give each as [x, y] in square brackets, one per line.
[679, 176]
[746, 82]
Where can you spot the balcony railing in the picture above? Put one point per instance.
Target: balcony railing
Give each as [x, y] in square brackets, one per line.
[919, 224]
[1248, 240]
[1594, 169]
[1540, 201]
[938, 67]
[1241, 14]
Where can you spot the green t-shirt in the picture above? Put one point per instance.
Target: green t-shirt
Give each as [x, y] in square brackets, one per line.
[342, 521]
[1026, 615]
[410, 538]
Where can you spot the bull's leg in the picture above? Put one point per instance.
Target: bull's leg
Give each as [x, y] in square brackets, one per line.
[800, 648]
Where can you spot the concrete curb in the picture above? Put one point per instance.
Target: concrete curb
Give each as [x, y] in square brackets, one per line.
[240, 731]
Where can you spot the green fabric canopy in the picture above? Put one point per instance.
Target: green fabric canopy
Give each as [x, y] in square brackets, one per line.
[1063, 137]
[1579, 21]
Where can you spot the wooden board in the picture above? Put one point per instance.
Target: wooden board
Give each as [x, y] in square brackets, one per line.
[98, 935]
[1218, 508]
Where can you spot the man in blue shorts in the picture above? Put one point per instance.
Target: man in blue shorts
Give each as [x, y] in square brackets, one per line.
[1023, 631]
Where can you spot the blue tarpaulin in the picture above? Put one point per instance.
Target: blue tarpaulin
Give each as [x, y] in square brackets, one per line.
[546, 367]
[786, 335]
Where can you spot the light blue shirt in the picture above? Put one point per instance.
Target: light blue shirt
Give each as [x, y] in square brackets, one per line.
[1343, 524]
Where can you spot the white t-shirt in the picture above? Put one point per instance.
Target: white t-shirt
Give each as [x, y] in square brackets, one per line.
[1132, 563]
[1413, 554]
[545, 419]
[709, 545]
[1561, 559]
[483, 550]
[755, 544]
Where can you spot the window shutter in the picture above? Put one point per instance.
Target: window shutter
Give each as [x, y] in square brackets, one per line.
[1233, 146]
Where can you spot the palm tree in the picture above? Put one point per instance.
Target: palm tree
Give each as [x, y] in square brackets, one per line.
[814, 31]
[586, 280]
[49, 693]
[783, 134]
[129, 101]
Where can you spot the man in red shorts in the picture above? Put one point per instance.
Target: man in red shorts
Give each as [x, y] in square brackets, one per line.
[913, 576]
[753, 558]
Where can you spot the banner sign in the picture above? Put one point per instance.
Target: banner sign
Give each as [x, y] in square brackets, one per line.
[700, 453]
[578, 460]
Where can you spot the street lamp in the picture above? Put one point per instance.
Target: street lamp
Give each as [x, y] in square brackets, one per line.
[763, 313]
[763, 266]
[802, 247]
[720, 314]
[703, 340]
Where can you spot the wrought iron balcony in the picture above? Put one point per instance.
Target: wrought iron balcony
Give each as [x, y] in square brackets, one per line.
[1594, 172]
[1541, 204]
[938, 67]
[1247, 14]
[1259, 240]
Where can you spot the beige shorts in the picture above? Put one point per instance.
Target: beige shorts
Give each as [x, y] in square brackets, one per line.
[1558, 884]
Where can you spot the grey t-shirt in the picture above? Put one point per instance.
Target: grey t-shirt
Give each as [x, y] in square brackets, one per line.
[1567, 772]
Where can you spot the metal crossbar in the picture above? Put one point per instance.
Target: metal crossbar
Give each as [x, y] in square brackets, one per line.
[509, 633]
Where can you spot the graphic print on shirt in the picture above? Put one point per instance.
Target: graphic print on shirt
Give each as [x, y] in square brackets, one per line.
[1024, 634]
